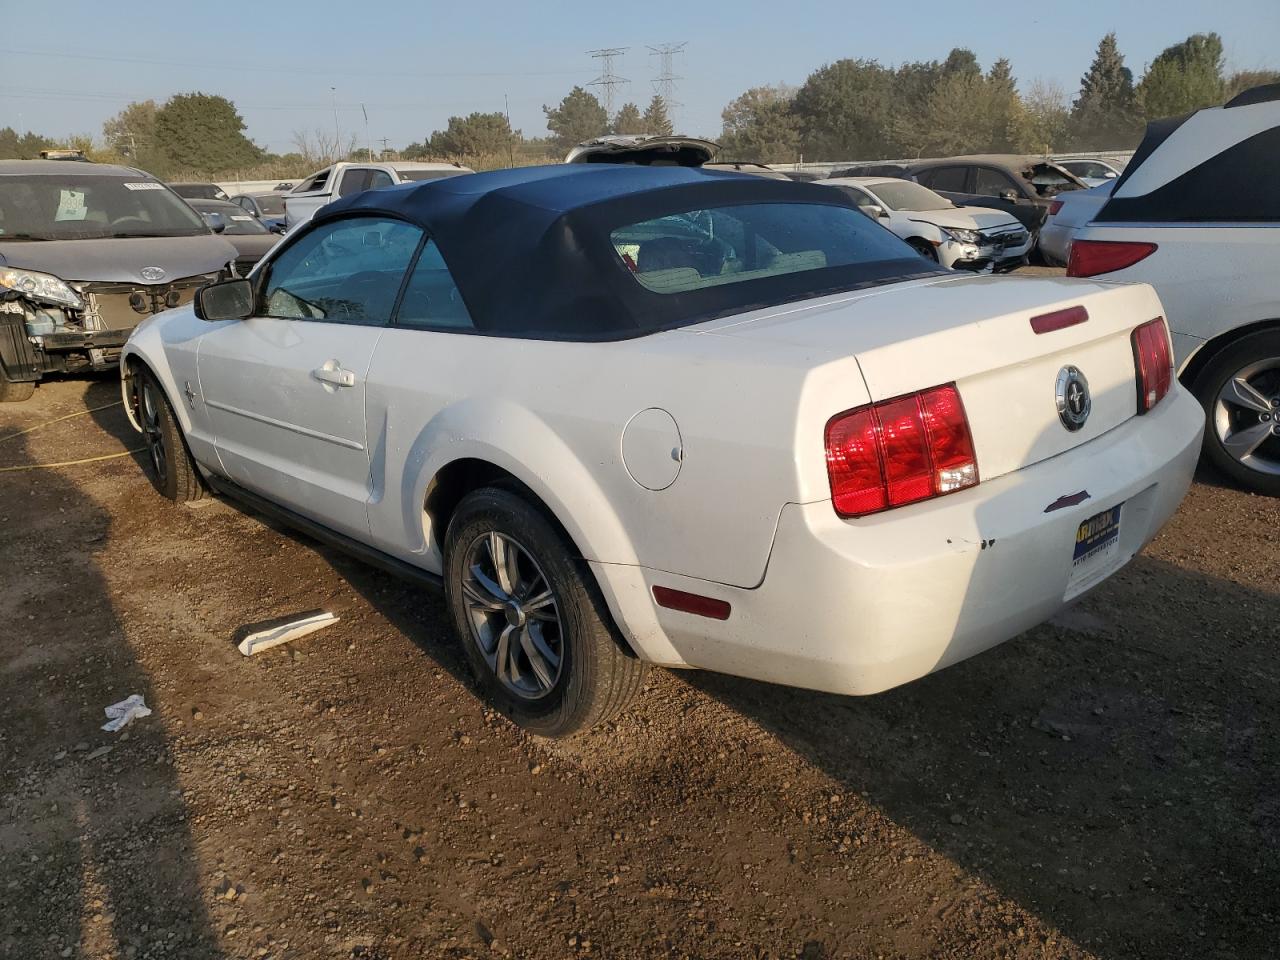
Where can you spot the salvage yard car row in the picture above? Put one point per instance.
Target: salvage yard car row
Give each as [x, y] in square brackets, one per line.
[707, 418]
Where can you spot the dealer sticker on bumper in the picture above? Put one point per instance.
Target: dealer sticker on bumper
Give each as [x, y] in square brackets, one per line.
[1097, 543]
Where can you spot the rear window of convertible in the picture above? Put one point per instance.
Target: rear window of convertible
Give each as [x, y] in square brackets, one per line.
[719, 247]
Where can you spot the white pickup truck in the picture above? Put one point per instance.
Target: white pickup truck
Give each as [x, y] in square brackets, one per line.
[341, 179]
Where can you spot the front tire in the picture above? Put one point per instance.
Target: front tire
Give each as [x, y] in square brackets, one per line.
[535, 628]
[1240, 392]
[15, 391]
[172, 471]
[925, 249]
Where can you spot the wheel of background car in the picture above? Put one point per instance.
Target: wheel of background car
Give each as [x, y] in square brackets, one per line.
[14, 391]
[172, 471]
[534, 626]
[924, 248]
[1239, 389]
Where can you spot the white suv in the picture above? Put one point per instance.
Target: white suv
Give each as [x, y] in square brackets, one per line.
[1197, 215]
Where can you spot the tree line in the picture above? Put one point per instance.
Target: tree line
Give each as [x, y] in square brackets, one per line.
[852, 109]
[862, 110]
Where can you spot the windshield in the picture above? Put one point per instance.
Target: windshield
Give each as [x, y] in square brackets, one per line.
[723, 246]
[412, 175]
[272, 206]
[239, 222]
[198, 191]
[91, 208]
[909, 196]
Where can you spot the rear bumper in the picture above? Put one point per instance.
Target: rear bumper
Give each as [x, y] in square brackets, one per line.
[1055, 242]
[856, 607]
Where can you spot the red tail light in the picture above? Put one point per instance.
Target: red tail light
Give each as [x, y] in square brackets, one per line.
[1153, 363]
[1054, 207]
[900, 451]
[1092, 257]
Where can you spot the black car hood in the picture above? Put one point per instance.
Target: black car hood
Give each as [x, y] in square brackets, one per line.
[120, 260]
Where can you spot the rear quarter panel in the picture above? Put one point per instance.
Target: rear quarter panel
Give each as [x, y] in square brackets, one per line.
[554, 413]
[1211, 278]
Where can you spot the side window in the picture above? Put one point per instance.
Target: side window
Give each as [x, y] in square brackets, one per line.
[353, 181]
[992, 183]
[378, 179]
[431, 298]
[945, 178]
[346, 271]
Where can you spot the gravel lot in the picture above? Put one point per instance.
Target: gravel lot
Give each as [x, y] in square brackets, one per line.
[1104, 786]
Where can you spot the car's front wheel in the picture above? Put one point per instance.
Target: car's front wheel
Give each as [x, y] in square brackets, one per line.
[1240, 391]
[14, 391]
[172, 471]
[536, 630]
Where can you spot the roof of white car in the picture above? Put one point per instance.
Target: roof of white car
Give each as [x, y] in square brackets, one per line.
[861, 181]
[546, 232]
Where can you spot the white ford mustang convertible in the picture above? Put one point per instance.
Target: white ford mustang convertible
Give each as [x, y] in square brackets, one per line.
[641, 415]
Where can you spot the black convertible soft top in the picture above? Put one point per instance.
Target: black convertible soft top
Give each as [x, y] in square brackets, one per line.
[531, 254]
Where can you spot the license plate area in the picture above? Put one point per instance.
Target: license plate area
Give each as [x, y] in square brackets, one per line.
[1097, 549]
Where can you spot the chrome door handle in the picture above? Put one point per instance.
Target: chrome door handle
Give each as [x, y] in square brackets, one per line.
[333, 373]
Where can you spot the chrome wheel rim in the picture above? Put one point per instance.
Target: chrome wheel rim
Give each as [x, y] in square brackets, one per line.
[149, 415]
[514, 615]
[1246, 416]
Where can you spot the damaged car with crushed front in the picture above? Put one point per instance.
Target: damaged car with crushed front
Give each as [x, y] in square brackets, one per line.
[87, 251]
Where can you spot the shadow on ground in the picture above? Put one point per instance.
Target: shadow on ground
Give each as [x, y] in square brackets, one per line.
[1116, 777]
[95, 851]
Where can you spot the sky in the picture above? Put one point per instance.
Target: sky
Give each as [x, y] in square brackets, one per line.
[66, 67]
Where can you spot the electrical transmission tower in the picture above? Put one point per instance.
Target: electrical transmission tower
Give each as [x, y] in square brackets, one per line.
[608, 81]
[664, 84]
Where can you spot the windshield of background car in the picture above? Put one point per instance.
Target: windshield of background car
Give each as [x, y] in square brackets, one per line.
[909, 196]
[241, 223]
[1050, 181]
[271, 206]
[92, 208]
[729, 245]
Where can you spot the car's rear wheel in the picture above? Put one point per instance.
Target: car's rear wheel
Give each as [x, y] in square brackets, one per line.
[1240, 392]
[172, 471]
[536, 631]
[14, 391]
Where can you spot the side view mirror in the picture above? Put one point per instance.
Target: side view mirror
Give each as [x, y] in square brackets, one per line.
[225, 300]
[1110, 175]
[1010, 195]
[875, 210]
[279, 228]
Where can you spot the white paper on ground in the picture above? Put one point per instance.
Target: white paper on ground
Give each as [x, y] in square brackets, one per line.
[265, 639]
[125, 712]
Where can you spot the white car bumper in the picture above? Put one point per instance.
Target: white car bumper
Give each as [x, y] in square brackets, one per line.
[1055, 242]
[856, 607]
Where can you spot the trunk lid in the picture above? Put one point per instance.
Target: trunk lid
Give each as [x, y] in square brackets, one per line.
[976, 332]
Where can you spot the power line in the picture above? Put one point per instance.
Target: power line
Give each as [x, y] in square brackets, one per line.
[608, 81]
[664, 84]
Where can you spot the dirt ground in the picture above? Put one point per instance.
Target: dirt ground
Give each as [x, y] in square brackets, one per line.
[1105, 786]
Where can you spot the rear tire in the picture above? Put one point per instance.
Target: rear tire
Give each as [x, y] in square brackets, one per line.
[15, 391]
[172, 471]
[1239, 389]
[536, 631]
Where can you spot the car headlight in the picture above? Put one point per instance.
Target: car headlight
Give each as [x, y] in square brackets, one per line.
[40, 286]
[962, 235]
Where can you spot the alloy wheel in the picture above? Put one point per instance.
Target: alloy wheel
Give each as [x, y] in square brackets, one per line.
[1246, 416]
[514, 615]
[152, 429]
